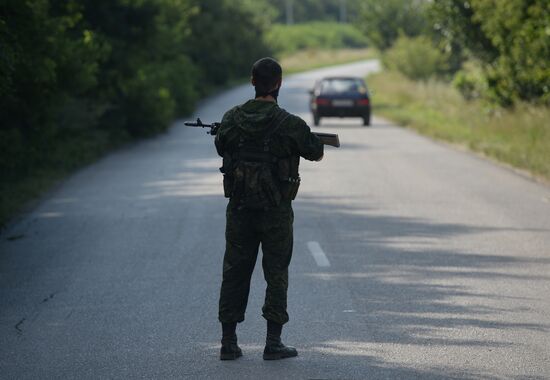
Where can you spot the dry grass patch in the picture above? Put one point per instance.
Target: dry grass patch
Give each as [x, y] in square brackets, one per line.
[519, 136]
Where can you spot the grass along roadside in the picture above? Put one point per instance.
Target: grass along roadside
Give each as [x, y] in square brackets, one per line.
[320, 35]
[519, 137]
[314, 59]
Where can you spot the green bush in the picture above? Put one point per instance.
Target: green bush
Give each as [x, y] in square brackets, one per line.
[417, 58]
[287, 39]
[470, 82]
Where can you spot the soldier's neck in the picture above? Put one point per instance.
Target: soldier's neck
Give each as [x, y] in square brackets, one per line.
[267, 98]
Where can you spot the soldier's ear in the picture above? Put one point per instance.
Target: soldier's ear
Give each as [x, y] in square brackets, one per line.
[253, 81]
[280, 83]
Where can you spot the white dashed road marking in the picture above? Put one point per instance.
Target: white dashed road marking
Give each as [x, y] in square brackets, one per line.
[318, 254]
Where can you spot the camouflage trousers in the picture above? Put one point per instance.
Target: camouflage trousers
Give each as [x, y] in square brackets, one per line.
[245, 231]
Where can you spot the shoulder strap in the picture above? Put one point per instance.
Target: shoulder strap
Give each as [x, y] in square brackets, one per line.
[277, 121]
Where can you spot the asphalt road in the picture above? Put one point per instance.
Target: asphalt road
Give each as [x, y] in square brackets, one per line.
[411, 260]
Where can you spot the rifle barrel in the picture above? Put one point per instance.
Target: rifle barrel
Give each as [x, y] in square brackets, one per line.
[189, 124]
[213, 127]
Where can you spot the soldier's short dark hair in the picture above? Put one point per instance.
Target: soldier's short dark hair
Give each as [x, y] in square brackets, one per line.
[266, 72]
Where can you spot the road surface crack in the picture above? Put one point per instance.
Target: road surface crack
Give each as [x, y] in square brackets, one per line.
[15, 237]
[18, 326]
[49, 297]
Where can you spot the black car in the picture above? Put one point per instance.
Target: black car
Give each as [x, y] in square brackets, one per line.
[340, 97]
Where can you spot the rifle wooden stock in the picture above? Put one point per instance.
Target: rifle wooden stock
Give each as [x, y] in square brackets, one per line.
[328, 138]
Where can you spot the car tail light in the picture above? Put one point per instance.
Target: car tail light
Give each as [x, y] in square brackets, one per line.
[363, 102]
[322, 102]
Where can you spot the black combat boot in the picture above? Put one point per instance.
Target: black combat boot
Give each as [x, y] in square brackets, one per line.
[230, 350]
[274, 348]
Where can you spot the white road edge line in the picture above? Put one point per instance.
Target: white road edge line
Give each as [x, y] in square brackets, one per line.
[318, 254]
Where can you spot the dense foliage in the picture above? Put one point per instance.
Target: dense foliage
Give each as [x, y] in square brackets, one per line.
[79, 76]
[510, 38]
[114, 68]
[504, 44]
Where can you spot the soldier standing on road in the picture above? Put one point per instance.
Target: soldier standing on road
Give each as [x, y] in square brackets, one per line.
[261, 145]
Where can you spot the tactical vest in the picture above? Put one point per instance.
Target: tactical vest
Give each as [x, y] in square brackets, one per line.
[254, 177]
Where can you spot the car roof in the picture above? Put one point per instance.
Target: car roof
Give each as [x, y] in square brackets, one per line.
[341, 77]
[326, 79]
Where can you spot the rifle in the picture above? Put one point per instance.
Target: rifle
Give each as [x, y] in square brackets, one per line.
[326, 138]
[213, 127]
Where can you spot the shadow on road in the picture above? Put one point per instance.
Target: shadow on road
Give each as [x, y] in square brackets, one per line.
[404, 292]
[407, 291]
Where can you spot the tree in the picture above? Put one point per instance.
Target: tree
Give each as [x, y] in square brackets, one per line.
[227, 37]
[510, 39]
[49, 60]
[384, 21]
[147, 77]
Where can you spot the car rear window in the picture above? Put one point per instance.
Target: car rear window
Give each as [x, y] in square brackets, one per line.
[338, 85]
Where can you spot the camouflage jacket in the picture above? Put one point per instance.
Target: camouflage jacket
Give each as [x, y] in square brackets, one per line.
[251, 120]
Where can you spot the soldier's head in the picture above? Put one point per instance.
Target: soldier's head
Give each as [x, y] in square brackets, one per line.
[267, 77]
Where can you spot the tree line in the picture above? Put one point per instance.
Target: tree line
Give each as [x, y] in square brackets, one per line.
[302, 11]
[90, 72]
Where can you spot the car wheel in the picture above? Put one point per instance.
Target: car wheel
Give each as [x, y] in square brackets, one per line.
[316, 119]
[366, 121]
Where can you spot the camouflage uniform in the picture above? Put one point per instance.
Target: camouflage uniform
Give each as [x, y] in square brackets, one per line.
[272, 228]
